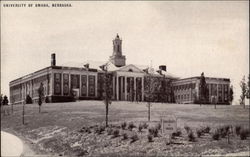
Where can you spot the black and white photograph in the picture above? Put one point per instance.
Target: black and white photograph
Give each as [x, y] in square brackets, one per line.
[124, 78]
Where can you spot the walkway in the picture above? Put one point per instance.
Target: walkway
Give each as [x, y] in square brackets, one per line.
[10, 145]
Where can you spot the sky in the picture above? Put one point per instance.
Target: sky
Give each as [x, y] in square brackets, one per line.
[188, 37]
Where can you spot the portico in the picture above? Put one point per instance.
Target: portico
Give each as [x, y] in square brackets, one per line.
[128, 84]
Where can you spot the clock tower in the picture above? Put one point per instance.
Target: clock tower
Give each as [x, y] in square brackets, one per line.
[117, 58]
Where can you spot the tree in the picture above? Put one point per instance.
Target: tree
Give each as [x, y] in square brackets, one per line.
[107, 90]
[1, 99]
[40, 96]
[248, 87]
[231, 94]
[5, 100]
[243, 86]
[149, 91]
[203, 93]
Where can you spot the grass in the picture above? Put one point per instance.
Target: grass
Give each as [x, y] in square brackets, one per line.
[69, 118]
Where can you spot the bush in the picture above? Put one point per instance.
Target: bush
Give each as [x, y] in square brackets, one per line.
[140, 128]
[237, 130]
[99, 129]
[134, 138]
[145, 125]
[199, 133]
[153, 131]
[116, 133]
[158, 126]
[47, 99]
[28, 99]
[223, 131]
[85, 129]
[110, 131]
[216, 135]
[176, 133]
[124, 136]
[191, 136]
[187, 128]
[131, 126]
[123, 125]
[150, 138]
[243, 134]
[206, 129]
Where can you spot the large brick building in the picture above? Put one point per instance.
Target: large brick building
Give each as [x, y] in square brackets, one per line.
[130, 82]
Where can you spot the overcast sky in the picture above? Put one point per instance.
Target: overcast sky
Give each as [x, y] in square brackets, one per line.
[188, 37]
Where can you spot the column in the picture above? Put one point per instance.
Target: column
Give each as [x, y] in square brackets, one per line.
[87, 84]
[126, 88]
[52, 83]
[95, 85]
[61, 84]
[142, 88]
[113, 80]
[209, 91]
[69, 83]
[217, 93]
[134, 88]
[80, 85]
[121, 87]
[223, 93]
[117, 87]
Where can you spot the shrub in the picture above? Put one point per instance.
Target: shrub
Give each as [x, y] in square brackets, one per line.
[243, 134]
[153, 131]
[134, 138]
[28, 99]
[187, 128]
[199, 133]
[158, 126]
[227, 128]
[223, 131]
[110, 131]
[47, 99]
[145, 125]
[85, 129]
[99, 129]
[124, 136]
[191, 136]
[237, 130]
[206, 129]
[116, 133]
[131, 126]
[123, 125]
[176, 133]
[150, 138]
[216, 135]
[140, 128]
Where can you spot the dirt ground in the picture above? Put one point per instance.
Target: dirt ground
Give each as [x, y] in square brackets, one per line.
[56, 131]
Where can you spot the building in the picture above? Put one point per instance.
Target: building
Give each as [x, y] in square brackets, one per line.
[85, 81]
[187, 90]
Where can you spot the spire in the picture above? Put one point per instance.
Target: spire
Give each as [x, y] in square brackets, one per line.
[117, 36]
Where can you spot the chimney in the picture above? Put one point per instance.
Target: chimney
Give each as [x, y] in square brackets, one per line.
[53, 59]
[163, 67]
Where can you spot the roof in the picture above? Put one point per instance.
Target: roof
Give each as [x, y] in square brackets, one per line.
[92, 65]
[111, 67]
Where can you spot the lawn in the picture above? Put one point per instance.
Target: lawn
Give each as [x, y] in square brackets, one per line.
[57, 129]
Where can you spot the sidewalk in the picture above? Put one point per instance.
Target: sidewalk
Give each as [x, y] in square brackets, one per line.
[10, 145]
